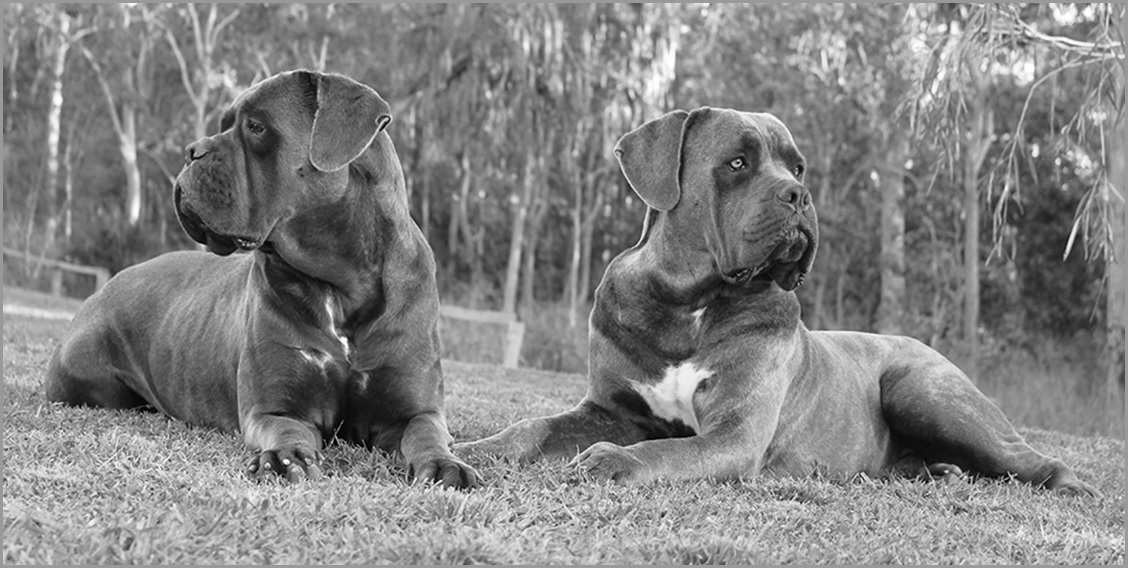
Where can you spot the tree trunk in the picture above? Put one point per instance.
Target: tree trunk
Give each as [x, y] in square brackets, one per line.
[457, 206]
[981, 124]
[1118, 177]
[54, 129]
[586, 258]
[517, 238]
[70, 160]
[529, 268]
[205, 37]
[419, 178]
[572, 287]
[471, 248]
[891, 306]
[536, 211]
[128, 144]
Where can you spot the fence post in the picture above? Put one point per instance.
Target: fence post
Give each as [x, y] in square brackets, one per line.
[514, 337]
[56, 282]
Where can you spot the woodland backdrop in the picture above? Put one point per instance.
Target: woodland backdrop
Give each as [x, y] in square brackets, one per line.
[967, 161]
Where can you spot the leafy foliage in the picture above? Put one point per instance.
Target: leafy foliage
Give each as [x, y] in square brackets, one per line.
[505, 117]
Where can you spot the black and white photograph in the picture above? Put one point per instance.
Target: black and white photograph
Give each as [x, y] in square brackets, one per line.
[548, 283]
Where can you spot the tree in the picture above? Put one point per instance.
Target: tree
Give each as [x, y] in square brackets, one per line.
[126, 83]
[67, 32]
[1114, 191]
[200, 81]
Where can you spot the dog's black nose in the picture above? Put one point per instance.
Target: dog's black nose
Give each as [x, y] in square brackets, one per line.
[196, 150]
[796, 196]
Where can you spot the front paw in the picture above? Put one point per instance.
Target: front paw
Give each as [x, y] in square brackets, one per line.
[445, 470]
[293, 464]
[604, 460]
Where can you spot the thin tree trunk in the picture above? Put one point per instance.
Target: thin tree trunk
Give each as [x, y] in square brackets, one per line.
[419, 178]
[205, 37]
[128, 139]
[981, 118]
[54, 129]
[537, 210]
[71, 163]
[124, 123]
[1117, 288]
[572, 287]
[891, 306]
[586, 257]
[472, 243]
[13, 48]
[456, 213]
[516, 239]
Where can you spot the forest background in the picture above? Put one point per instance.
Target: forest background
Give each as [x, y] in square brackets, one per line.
[967, 162]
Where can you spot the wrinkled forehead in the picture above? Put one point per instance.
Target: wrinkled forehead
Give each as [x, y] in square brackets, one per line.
[766, 128]
[290, 95]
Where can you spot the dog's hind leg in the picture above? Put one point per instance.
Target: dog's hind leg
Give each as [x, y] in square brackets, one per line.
[938, 414]
[79, 375]
[559, 436]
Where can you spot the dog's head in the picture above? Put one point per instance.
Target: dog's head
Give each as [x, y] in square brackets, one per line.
[283, 146]
[731, 183]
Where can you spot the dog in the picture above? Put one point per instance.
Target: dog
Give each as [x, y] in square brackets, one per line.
[700, 366]
[325, 327]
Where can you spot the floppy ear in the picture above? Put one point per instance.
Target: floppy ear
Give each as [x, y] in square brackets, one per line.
[349, 116]
[650, 157]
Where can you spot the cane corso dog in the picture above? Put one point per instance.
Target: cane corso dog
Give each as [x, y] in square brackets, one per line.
[325, 326]
[700, 365]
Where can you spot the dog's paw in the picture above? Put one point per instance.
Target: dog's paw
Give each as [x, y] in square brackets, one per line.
[290, 464]
[446, 471]
[604, 460]
[1078, 488]
[1065, 482]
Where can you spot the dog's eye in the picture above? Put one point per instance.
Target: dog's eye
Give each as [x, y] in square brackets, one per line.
[799, 170]
[255, 127]
[737, 164]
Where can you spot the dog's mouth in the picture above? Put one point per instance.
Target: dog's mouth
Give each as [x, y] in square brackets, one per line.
[786, 264]
[219, 243]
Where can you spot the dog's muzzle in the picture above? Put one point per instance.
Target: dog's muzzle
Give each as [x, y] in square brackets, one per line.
[787, 263]
[199, 231]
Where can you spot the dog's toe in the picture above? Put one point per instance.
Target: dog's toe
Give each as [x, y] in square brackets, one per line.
[446, 472]
[605, 460]
[291, 464]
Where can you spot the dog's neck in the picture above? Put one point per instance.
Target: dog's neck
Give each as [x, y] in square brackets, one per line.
[347, 245]
[681, 277]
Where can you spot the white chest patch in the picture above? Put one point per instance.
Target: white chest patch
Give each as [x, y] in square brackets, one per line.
[315, 357]
[698, 316]
[672, 397]
[330, 308]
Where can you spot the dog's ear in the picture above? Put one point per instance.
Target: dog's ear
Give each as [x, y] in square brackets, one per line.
[650, 157]
[349, 116]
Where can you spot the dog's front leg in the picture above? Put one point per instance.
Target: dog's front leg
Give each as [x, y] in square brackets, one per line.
[715, 456]
[285, 405]
[425, 448]
[286, 447]
[731, 445]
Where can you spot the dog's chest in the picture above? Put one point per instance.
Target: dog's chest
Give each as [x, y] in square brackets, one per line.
[335, 348]
[671, 398]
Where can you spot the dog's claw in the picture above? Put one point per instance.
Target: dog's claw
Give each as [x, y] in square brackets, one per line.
[604, 460]
[291, 464]
[448, 472]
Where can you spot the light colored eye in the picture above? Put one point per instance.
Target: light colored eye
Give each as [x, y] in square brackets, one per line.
[737, 164]
[255, 127]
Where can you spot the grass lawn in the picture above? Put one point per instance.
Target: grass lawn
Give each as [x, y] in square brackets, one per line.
[91, 486]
